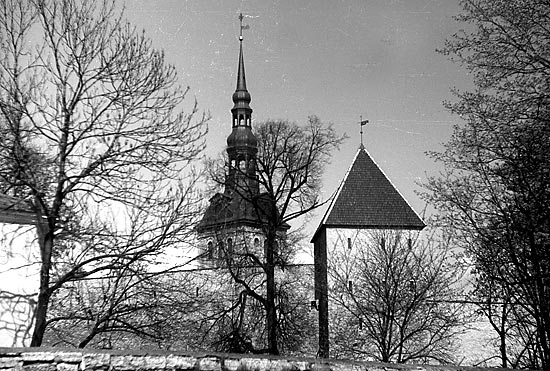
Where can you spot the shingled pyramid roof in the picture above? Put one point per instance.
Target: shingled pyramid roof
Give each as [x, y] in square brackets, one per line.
[367, 199]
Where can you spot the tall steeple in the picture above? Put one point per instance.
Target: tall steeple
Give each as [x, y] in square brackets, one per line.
[234, 219]
[242, 144]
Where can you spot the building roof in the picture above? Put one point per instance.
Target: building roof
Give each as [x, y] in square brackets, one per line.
[367, 199]
[228, 210]
[15, 211]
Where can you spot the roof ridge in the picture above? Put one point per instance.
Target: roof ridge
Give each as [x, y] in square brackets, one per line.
[339, 189]
[393, 185]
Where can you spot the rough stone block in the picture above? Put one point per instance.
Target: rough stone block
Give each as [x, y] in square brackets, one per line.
[38, 356]
[256, 363]
[137, 362]
[346, 367]
[210, 364]
[175, 362]
[120, 362]
[11, 362]
[281, 365]
[300, 366]
[68, 357]
[39, 367]
[155, 362]
[318, 366]
[67, 366]
[231, 364]
[96, 361]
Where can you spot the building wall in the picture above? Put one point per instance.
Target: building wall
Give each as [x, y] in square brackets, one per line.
[19, 281]
[345, 246]
[215, 245]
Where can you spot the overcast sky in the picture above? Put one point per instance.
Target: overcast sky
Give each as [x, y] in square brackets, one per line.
[335, 59]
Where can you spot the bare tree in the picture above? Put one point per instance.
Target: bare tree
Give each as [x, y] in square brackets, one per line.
[93, 121]
[289, 166]
[127, 308]
[494, 189]
[393, 298]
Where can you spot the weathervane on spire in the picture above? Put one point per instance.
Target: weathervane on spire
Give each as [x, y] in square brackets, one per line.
[245, 27]
[362, 123]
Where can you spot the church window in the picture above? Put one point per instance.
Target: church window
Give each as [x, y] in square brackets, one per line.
[229, 246]
[383, 242]
[349, 243]
[256, 243]
[410, 243]
[210, 249]
[350, 287]
[241, 119]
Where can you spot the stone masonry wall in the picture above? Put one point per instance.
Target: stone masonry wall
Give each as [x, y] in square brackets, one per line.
[57, 359]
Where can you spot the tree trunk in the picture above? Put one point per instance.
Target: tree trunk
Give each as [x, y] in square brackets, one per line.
[321, 290]
[543, 321]
[45, 241]
[502, 334]
[271, 312]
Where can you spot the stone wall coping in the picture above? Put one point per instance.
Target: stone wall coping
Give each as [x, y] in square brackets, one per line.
[71, 359]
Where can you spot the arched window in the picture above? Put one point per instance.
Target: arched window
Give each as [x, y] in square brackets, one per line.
[241, 119]
[220, 249]
[210, 249]
[229, 246]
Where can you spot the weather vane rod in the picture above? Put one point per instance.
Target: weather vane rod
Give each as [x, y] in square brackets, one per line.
[245, 27]
[362, 123]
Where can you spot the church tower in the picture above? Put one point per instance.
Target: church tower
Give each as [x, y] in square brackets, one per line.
[242, 145]
[367, 209]
[231, 223]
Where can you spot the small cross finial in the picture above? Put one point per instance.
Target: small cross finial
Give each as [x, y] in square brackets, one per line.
[362, 123]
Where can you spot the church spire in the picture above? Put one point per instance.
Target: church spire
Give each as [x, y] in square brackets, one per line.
[242, 144]
[242, 113]
[241, 79]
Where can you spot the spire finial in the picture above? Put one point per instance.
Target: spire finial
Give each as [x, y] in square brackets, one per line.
[241, 28]
[362, 123]
[241, 81]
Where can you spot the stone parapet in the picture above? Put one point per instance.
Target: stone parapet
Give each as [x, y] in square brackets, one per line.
[57, 359]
